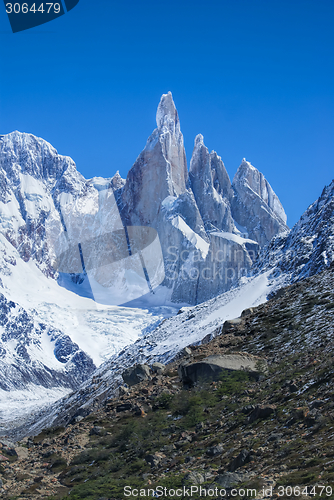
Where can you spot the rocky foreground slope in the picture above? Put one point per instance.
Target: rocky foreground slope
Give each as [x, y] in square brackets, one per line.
[270, 431]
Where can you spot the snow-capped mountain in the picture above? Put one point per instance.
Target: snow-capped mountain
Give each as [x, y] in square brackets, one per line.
[207, 243]
[308, 248]
[209, 229]
[73, 250]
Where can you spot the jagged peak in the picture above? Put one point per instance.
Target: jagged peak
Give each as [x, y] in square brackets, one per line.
[29, 154]
[200, 159]
[167, 116]
[246, 172]
[199, 140]
[117, 181]
[246, 165]
[247, 178]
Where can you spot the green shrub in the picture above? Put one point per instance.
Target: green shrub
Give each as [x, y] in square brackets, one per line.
[233, 382]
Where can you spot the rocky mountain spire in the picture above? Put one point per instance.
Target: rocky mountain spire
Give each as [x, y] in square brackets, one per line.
[171, 140]
[160, 169]
[255, 204]
[211, 186]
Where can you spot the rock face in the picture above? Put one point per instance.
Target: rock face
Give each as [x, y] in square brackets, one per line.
[211, 367]
[160, 169]
[212, 188]
[256, 206]
[156, 194]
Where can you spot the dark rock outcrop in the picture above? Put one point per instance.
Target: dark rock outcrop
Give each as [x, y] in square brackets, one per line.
[211, 367]
[136, 374]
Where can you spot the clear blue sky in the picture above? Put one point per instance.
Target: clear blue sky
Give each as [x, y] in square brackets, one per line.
[255, 77]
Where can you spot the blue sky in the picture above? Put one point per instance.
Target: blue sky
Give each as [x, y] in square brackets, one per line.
[255, 77]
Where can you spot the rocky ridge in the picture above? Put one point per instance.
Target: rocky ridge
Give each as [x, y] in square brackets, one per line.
[23, 336]
[197, 217]
[308, 249]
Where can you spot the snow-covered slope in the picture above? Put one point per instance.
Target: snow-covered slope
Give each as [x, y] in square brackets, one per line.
[309, 248]
[52, 339]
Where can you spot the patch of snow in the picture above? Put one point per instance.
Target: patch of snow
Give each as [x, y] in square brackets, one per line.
[168, 202]
[100, 331]
[191, 236]
[233, 237]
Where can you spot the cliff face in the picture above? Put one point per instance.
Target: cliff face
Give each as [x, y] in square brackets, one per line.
[256, 206]
[212, 188]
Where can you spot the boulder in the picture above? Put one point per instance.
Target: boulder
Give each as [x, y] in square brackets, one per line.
[136, 374]
[247, 312]
[228, 479]
[211, 367]
[243, 458]
[123, 407]
[261, 411]
[193, 477]
[158, 368]
[213, 451]
[155, 459]
[231, 323]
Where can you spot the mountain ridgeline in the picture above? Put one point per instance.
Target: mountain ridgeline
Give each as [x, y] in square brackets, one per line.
[210, 230]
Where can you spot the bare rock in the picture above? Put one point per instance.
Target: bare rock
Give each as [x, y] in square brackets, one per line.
[261, 411]
[158, 368]
[211, 367]
[136, 374]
